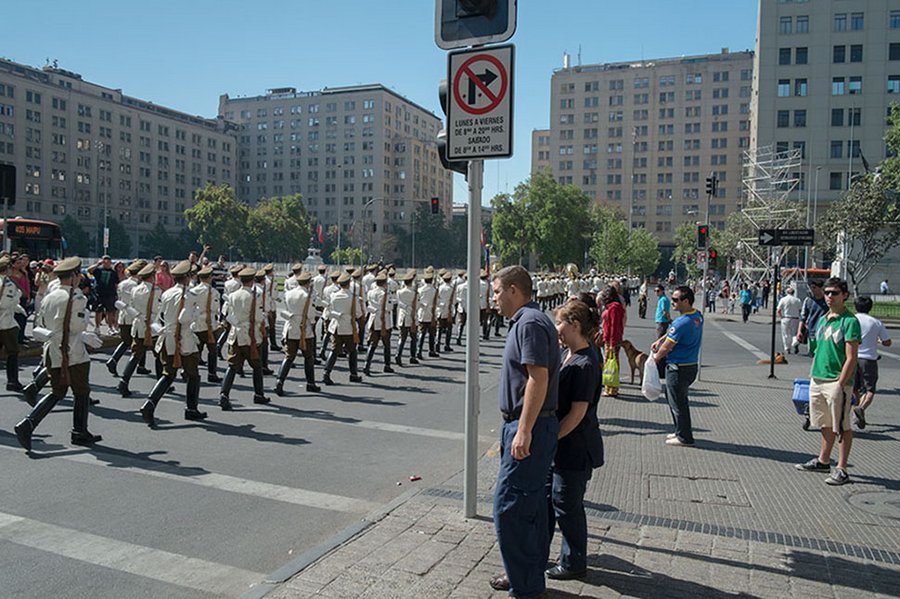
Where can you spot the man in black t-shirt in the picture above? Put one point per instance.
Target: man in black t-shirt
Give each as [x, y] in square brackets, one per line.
[106, 282]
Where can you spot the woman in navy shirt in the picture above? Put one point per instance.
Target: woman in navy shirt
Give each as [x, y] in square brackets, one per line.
[580, 447]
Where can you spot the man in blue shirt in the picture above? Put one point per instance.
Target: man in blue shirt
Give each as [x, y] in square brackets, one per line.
[529, 387]
[681, 349]
[663, 311]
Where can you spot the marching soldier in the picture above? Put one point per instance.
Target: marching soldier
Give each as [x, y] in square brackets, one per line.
[177, 346]
[426, 315]
[446, 299]
[125, 318]
[369, 278]
[318, 288]
[380, 323]
[359, 292]
[327, 292]
[64, 315]
[262, 289]
[484, 305]
[299, 331]
[146, 303]
[271, 301]
[231, 285]
[9, 328]
[344, 329]
[407, 304]
[461, 300]
[291, 281]
[245, 314]
[205, 324]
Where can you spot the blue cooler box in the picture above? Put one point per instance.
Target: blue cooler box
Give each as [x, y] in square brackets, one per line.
[800, 396]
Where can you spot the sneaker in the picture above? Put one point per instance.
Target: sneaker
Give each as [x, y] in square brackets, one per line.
[676, 442]
[860, 417]
[838, 476]
[671, 436]
[814, 465]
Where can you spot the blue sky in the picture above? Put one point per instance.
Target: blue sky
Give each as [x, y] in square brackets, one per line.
[185, 54]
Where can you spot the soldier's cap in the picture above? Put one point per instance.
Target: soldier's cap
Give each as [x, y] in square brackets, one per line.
[67, 266]
[134, 268]
[296, 267]
[461, 273]
[447, 276]
[260, 274]
[247, 273]
[268, 267]
[236, 269]
[484, 273]
[409, 276]
[429, 268]
[304, 277]
[205, 271]
[391, 272]
[4, 262]
[181, 269]
[194, 269]
[344, 278]
[357, 273]
[389, 267]
[428, 276]
[147, 270]
[441, 272]
[334, 275]
[322, 268]
[372, 267]
[382, 276]
[349, 269]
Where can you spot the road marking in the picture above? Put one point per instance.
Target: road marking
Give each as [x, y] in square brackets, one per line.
[156, 564]
[742, 342]
[223, 482]
[889, 354]
[402, 428]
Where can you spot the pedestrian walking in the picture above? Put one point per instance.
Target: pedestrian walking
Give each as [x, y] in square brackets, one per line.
[680, 347]
[10, 306]
[529, 385]
[872, 332]
[838, 336]
[788, 310]
[746, 302]
[613, 318]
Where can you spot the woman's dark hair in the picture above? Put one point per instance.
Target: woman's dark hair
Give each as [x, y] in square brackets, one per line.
[576, 310]
[608, 295]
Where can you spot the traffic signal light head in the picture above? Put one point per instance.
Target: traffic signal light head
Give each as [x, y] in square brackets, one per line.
[713, 258]
[435, 205]
[702, 236]
[461, 23]
[712, 186]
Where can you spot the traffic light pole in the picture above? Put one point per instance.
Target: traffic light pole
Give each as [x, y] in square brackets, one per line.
[473, 338]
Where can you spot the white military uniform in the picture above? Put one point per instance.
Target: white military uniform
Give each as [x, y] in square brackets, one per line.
[170, 316]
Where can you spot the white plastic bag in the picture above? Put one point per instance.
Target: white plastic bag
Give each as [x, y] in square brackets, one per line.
[651, 387]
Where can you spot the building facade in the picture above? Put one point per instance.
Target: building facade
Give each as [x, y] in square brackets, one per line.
[80, 148]
[540, 150]
[826, 73]
[364, 158]
[643, 137]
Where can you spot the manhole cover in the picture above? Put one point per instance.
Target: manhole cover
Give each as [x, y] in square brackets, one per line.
[880, 503]
[697, 490]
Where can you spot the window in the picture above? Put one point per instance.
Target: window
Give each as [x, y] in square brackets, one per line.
[803, 24]
[784, 88]
[854, 116]
[838, 54]
[835, 180]
[893, 85]
[856, 53]
[784, 56]
[785, 24]
[895, 19]
[783, 119]
[856, 21]
[802, 55]
[853, 148]
[840, 21]
[799, 118]
[800, 87]
[837, 117]
[837, 149]
[746, 74]
[894, 52]
[855, 86]
[837, 86]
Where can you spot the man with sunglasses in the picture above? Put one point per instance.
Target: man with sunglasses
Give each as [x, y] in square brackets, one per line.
[680, 347]
[838, 335]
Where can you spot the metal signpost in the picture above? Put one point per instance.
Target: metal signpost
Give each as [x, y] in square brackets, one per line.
[478, 101]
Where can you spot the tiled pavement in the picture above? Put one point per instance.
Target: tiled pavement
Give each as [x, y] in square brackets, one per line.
[729, 518]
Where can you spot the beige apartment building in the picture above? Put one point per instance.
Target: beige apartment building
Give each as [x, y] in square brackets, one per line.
[643, 136]
[80, 147]
[363, 157]
[826, 73]
[540, 150]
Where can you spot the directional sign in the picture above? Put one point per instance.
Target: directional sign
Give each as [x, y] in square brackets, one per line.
[702, 260]
[798, 236]
[479, 111]
[768, 237]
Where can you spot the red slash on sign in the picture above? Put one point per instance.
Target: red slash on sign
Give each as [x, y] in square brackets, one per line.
[487, 100]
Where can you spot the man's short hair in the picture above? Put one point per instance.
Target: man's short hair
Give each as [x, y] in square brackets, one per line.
[863, 304]
[839, 283]
[514, 275]
[815, 283]
[660, 287]
[686, 293]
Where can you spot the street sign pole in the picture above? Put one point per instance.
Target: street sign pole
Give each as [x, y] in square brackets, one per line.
[473, 339]
[776, 253]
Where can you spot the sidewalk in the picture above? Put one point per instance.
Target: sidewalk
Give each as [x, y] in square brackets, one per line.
[725, 519]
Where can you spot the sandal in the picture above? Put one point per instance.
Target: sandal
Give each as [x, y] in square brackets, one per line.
[500, 582]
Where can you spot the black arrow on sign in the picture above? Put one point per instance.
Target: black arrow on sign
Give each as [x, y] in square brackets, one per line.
[486, 78]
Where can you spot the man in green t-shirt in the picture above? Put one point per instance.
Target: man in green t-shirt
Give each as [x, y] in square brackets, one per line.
[830, 389]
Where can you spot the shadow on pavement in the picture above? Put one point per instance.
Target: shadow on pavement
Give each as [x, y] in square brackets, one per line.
[248, 431]
[313, 414]
[121, 458]
[755, 451]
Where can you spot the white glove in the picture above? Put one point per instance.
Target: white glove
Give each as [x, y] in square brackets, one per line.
[120, 305]
[40, 334]
[91, 340]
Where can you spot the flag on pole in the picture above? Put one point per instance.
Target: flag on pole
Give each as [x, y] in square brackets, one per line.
[320, 232]
[864, 161]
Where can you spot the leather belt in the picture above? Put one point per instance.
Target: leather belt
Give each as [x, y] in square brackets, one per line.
[513, 416]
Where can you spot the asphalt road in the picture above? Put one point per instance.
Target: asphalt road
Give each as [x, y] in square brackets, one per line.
[209, 509]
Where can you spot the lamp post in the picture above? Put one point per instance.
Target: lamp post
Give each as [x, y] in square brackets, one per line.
[412, 219]
[100, 147]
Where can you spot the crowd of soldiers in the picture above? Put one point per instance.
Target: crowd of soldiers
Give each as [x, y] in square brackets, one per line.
[350, 311]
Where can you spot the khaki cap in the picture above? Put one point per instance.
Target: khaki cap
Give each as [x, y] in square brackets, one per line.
[344, 278]
[409, 276]
[447, 276]
[304, 277]
[134, 268]
[236, 269]
[322, 268]
[68, 265]
[247, 273]
[296, 267]
[268, 267]
[148, 270]
[205, 271]
[260, 274]
[382, 276]
[181, 269]
[334, 275]
[357, 273]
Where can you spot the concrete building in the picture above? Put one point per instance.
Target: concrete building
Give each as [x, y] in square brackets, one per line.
[80, 147]
[363, 157]
[643, 136]
[540, 150]
[825, 74]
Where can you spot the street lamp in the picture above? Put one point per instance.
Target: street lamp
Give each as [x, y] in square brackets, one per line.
[99, 146]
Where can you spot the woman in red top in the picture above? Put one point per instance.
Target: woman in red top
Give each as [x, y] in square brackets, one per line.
[613, 329]
[164, 280]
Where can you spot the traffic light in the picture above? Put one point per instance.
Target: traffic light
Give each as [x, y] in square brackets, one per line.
[713, 258]
[435, 205]
[461, 23]
[457, 166]
[712, 186]
[702, 236]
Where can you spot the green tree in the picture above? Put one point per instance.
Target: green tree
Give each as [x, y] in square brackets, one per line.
[348, 256]
[217, 218]
[561, 217]
[609, 242]
[277, 229]
[643, 252]
[866, 219]
[685, 254]
[510, 229]
[78, 241]
[890, 167]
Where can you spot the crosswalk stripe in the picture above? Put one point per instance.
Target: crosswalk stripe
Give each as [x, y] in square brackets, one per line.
[155, 564]
[224, 482]
[742, 342]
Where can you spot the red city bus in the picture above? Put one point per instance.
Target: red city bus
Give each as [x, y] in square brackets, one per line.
[39, 239]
